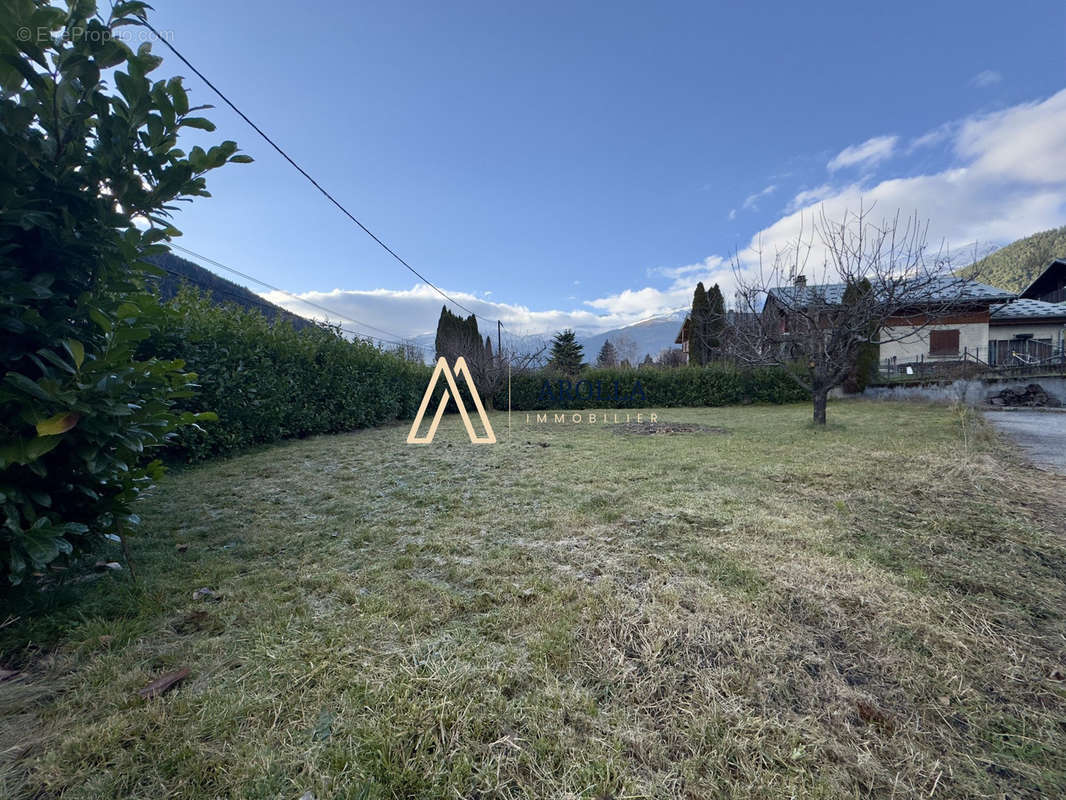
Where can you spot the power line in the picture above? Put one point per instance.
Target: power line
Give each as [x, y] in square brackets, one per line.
[400, 339]
[302, 171]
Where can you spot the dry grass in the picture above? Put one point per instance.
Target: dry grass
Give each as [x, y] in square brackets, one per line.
[766, 611]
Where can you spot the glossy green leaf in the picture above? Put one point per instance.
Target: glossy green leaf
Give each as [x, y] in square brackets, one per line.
[58, 423]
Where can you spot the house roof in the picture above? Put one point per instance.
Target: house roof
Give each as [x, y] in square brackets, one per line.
[1047, 280]
[942, 289]
[1027, 309]
[682, 335]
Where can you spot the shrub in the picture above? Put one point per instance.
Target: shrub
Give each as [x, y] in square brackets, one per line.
[714, 385]
[78, 410]
[266, 381]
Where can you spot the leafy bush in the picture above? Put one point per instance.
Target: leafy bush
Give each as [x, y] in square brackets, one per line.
[714, 385]
[267, 381]
[78, 409]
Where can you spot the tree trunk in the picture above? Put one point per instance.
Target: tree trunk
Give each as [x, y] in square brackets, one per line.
[821, 398]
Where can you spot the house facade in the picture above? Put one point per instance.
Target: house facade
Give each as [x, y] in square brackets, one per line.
[1033, 326]
[962, 335]
[682, 339]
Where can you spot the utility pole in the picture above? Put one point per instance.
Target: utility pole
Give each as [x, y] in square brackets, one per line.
[499, 338]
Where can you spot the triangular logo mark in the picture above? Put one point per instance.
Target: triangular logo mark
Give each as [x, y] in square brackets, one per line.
[463, 370]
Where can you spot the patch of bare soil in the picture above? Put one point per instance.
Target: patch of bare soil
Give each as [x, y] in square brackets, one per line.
[655, 428]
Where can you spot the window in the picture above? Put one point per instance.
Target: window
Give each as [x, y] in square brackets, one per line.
[943, 343]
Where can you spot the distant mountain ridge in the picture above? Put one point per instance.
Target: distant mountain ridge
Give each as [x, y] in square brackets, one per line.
[1014, 266]
[650, 336]
[179, 272]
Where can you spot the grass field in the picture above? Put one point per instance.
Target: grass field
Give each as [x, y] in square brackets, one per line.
[756, 610]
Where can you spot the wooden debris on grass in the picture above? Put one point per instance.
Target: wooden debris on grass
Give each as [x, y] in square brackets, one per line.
[164, 683]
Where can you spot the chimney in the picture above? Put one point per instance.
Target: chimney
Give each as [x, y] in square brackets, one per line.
[801, 280]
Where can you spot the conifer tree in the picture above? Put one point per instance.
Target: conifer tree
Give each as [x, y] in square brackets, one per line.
[698, 331]
[716, 320]
[607, 357]
[566, 353]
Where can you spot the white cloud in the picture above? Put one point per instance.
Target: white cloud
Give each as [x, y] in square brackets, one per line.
[638, 304]
[732, 213]
[808, 196]
[986, 78]
[751, 202]
[937, 135]
[1025, 143]
[869, 153]
[1009, 180]
[706, 267]
[391, 314]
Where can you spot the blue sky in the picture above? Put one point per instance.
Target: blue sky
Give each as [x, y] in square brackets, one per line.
[584, 164]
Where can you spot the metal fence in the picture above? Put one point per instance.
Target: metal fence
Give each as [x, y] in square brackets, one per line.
[1016, 357]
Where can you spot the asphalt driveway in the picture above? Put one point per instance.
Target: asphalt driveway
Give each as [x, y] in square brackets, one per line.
[1042, 434]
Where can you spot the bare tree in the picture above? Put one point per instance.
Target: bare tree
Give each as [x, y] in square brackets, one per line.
[409, 351]
[878, 283]
[625, 347]
[490, 374]
[671, 357]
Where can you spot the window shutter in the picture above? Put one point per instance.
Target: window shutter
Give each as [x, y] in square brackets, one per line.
[943, 343]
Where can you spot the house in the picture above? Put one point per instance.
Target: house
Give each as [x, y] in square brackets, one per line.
[1033, 326]
[734, 320]
[682, 339]
[946, 320]
[956, 333]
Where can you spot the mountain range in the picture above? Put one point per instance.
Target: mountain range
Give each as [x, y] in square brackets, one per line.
[647, 337]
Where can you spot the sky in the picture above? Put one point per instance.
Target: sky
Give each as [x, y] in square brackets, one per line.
[584, 164]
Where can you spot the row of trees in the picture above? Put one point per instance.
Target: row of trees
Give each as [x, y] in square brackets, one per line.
[706, 325]
[567, 355]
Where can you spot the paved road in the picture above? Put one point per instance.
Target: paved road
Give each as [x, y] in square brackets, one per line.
[1042, 434]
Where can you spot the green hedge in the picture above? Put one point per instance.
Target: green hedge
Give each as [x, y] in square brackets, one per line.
[266, 381]
[714, 385]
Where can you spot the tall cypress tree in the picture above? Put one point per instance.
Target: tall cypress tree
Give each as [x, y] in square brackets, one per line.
[457, 336]
[715, 321]
[443, 325]
[698, 326]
